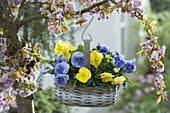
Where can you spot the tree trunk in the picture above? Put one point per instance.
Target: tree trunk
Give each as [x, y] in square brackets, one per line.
[25, 105]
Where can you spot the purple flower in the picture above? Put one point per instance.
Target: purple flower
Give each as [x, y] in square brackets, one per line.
[77, 59]
[59, 60]
[103, 49]
[61, 80]
[119, 61]
[61, 68]
[130, 66]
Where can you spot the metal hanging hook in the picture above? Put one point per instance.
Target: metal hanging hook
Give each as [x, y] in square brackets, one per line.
[86, 29]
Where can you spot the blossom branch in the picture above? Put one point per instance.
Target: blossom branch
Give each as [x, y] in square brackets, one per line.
[94, 6]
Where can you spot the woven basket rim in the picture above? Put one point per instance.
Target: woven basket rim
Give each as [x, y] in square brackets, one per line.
[91, 90]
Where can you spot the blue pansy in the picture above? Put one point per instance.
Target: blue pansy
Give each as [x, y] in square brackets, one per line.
[130, 66]
[61, 68]
[61, 80]
[77, 59]
[116, 53]
[119, 61]
[103, 49]
[43, 71]
[60, 59]
[99, 46]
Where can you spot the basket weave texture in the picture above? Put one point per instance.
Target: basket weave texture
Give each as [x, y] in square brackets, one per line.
[91, 97]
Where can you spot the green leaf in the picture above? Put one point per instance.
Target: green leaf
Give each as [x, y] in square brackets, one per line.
[128, 80]
[81, 48]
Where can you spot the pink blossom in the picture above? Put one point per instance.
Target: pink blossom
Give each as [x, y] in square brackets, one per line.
[159, 79]
[57, 31]
[162, 50]
[5, 68]
[24, 93]
[59, 16]
[13, 104]
[154, 56]
[160, 68]
[137, 3]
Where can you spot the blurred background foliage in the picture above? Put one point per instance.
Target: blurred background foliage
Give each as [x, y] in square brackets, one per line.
[141, 97]
[45, 102]
[160, 5]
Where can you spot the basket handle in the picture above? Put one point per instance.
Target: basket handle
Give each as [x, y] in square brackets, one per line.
[87, 47]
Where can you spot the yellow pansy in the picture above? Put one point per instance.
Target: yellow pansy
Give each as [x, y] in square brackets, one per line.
[106, 77]
[64, 48]
[66, 55]
[58, 47]
[96, 58]
[118, 80]
[84, 75]
[72, 48]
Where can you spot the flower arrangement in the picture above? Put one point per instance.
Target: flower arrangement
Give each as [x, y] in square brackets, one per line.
[107, 68]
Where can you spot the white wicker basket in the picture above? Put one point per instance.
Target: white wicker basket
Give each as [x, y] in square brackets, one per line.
[92, 97]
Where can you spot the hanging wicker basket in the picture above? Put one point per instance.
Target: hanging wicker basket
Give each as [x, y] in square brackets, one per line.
[91, 94]
[91, 97]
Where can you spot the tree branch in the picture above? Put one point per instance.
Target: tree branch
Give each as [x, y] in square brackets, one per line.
[20, 10]
[113, 1]
[94, 6]
[27, 20]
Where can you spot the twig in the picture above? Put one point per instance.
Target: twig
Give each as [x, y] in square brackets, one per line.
[94, 6]
[113, 1]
